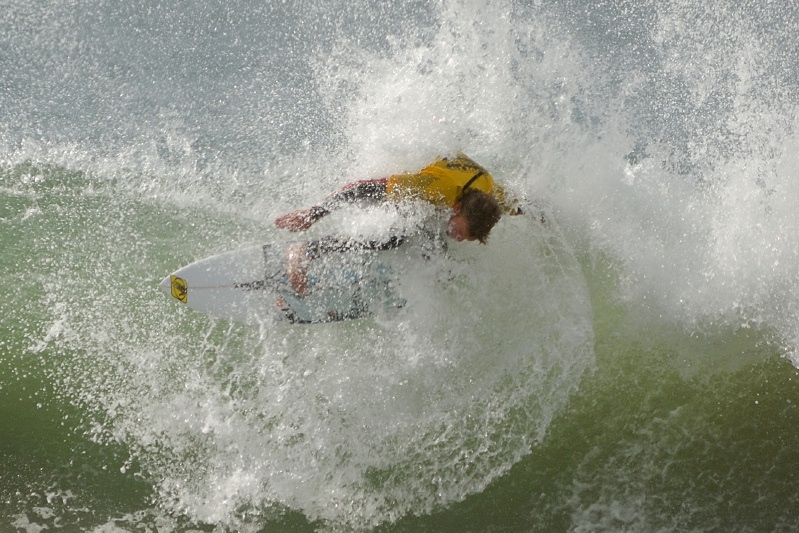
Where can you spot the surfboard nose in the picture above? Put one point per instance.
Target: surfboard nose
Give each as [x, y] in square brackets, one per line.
[165, 284]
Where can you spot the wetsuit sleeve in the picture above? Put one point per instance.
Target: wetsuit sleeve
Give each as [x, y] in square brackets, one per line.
[328, 245]
[372, 191]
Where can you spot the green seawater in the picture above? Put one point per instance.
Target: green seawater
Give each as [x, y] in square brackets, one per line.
[668, 432]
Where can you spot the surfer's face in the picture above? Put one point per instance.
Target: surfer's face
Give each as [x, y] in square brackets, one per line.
[459, 228]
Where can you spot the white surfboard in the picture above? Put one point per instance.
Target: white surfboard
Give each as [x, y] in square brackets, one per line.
[251, 285]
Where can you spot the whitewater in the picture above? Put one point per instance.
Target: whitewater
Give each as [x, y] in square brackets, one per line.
[628, 364]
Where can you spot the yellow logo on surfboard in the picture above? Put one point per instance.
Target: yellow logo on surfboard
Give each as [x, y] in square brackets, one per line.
[180, 288]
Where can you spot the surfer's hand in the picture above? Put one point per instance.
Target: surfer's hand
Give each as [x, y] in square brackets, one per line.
[296, 221]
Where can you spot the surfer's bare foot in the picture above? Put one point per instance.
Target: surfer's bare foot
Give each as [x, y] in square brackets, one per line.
[297, 269]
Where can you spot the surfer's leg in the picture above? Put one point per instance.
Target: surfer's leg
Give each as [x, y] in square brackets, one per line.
[297, 268]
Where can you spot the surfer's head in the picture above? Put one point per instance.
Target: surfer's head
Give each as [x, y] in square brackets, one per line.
[475, 214]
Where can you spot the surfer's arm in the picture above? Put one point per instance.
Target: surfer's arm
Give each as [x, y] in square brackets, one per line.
[369, 190]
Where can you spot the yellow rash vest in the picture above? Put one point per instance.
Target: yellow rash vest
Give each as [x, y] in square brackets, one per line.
[442, 183]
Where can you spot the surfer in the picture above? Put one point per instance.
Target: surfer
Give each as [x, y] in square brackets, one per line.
[459, 184]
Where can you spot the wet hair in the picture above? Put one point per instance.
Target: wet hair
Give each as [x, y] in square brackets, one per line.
[481, 212]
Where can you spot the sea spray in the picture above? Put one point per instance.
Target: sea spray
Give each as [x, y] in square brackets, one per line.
[660, 135]
[235, 419]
